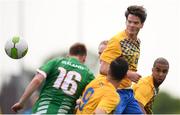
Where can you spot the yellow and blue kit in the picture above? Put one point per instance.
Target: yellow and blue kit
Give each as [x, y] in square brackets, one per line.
[145, 92]
[101, 94]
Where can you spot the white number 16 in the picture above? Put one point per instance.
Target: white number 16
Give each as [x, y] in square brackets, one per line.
[67, 81]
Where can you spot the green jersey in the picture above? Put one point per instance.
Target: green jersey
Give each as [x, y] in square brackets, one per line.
[66, 79]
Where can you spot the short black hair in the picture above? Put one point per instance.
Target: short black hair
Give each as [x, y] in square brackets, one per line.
[118, 68]
[78, 49]
[137, 11]
[161, 60]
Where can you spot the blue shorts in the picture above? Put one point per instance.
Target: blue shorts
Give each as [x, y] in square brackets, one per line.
[128, 104]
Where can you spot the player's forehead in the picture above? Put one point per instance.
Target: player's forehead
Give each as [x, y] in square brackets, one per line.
[161, 66]
[133, 18]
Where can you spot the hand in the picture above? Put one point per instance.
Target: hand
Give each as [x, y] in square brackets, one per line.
[16, 107]
[78, 101]
[133, 76]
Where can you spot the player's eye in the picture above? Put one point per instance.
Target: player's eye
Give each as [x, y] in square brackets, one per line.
[165, 71]
[158, 70]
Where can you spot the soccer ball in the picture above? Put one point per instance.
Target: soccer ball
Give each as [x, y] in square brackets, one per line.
[16, 48]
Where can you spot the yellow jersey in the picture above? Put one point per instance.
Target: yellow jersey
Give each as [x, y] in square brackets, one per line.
[120, 45]
[145, 92]
[99, 93]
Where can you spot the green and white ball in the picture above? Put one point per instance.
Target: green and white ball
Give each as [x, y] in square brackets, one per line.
[16, 47]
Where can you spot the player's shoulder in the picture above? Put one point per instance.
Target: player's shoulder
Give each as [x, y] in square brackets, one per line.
[57, 59]
[87, 69]
[146, 79]
[119, 36]
[145, 82]
[54, 60]
[97, 82]
[105, 84]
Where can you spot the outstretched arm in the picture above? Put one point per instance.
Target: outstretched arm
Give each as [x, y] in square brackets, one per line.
[133, 76]
[33, 85]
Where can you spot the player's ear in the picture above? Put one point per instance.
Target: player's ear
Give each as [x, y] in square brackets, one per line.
[152, 69]
[82, 58]
[142, 24]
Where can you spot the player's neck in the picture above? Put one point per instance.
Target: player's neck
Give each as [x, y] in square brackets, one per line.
[71, 56]
[113, 82]
[132, 37]
[156, 85]
[81, 59]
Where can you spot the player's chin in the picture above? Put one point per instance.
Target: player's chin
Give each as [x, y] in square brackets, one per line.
[159, 82]
[132, 32]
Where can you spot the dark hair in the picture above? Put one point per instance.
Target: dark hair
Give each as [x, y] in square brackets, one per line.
[137, 11]
[78, 49]
[118, 68]
[161, 60]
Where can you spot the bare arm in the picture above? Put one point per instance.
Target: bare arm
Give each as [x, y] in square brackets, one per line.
[133, 76]
[33, 85]
[104, 68]
[99, 111]
[142, 107]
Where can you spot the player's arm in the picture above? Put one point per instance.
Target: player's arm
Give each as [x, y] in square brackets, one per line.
[142, 107]
[133, 76]
[99, 111]
[109, 54]
[33, 85]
